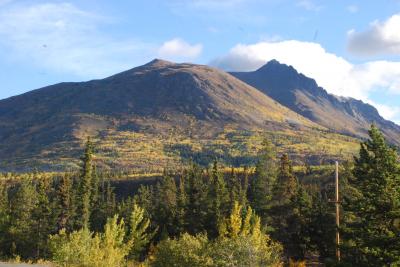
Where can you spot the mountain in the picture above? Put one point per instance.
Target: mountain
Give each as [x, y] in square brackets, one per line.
[156, 115]
[303, 95]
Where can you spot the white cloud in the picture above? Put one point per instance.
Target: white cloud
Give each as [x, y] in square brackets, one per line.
[337, 75]
[352, 8]
[61, 37]
[379, 38]
[178, 49]
[388, 112]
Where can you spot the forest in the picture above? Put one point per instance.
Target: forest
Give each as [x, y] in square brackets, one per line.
[265, 215]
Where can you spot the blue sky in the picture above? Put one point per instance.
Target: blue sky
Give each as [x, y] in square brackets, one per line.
[351, 48]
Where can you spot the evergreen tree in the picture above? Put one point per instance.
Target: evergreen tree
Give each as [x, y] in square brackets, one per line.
[181, 206]
[166, 207]
[144, 198]
[262, 182]
[85, 186]
[197, 199]
[243, 196]
[97, 216]
[322, 228]
[4, 217]
[65, 197]
[110, 204]
[281, 212]
[42, 217]
[298, 240]
[374, 233]
[237, 192]
[286, 184]
[21, 228]
[139, 235]
[218, 200]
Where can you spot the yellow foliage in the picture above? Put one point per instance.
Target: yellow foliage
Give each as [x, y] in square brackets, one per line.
[293, 263]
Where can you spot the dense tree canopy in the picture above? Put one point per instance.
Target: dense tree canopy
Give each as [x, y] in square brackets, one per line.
[265, 215]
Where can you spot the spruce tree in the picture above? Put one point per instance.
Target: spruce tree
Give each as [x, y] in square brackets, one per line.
[373, 235]
[85, 187]
[236, 190]
[110, 203]
[139, 235]
[261, 184]
[97, 218]
[65, 197]
[166, 207]
[281, 211]
[286, 184]
[42, 217]
[181, 206]
[21, 228]
[322, 227]
[4, 217]
[218, 200]
[298, 236]
[197, 200]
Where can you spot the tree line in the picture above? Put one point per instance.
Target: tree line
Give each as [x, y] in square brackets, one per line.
[264, 216]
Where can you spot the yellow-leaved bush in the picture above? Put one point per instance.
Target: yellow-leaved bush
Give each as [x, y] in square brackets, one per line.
[241, 242]
[109, 249]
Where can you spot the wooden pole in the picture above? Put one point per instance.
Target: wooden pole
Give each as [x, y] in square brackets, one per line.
[337, 203]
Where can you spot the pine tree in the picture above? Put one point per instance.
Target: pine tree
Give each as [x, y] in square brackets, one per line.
[144, 198]
[21, 230]
[139, 234]
[218, 200]
[236, 190]
[166, 207]
[65, 196]
[286, 184]
[97, 217]
[85, 186]
[260, 190]
[243, 196]
[42, 217]
[110, 203]
[322, 228]
[181, 206]
[298, 236]
[4, 217]
[374, 233]
[282, 209]
[197, 200]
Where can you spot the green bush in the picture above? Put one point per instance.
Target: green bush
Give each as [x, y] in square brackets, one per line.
[83, 248]
[188, 250]
[241, 243]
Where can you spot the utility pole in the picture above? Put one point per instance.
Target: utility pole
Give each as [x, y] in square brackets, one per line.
[337, 204]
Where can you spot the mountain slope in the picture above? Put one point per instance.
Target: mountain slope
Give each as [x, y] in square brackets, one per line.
[150, 115]
[302, 95]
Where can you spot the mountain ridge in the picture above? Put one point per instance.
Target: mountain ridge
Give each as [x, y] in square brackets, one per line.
[170, 111]
[303, 95]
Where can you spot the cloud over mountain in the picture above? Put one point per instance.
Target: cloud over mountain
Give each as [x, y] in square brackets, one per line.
[178, 49]
[337, 75]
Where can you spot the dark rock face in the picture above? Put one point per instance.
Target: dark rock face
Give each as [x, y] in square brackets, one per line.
[302, 95]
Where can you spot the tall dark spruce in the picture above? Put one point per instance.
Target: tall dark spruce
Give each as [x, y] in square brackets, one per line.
[85, 186]
[372, 233]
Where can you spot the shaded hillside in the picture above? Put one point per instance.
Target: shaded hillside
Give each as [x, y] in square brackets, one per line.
[302, 95]
[148, 117]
